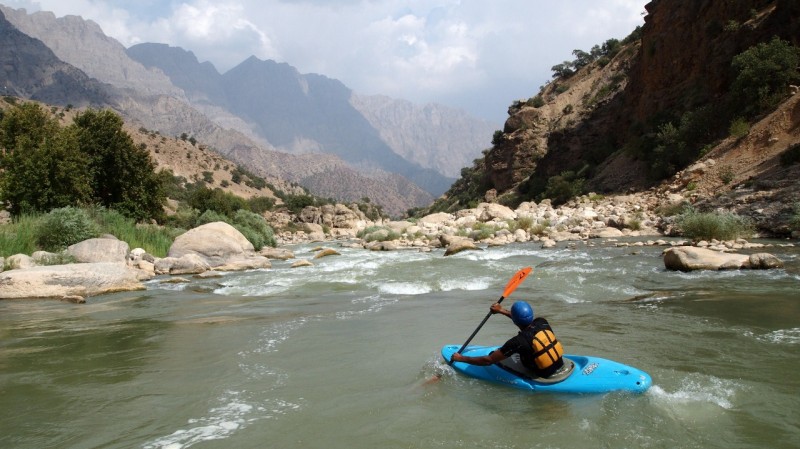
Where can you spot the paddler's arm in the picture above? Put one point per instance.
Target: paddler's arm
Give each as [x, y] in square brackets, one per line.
[497, 308]
[494, 357]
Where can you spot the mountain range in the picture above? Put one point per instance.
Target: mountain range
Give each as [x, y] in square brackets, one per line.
[289, 127]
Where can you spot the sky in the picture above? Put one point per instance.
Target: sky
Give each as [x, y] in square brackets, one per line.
[477, 55]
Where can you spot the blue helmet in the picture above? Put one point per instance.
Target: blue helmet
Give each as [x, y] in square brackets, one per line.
[522, 313]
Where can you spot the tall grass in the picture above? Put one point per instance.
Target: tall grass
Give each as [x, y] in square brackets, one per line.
[154, 239]
[58, 229]
[19, 237]
[714, 225]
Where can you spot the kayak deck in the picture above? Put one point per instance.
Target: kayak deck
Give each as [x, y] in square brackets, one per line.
[583, 374]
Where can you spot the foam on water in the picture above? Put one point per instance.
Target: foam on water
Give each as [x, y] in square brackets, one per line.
[780, 336]
[276, 334]
[472, 284]
[698, 395]
[374, 304]
[404, 288]
[233, 414]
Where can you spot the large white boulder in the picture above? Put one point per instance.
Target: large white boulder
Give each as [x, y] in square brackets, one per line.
[220, 245]
[689, 258]
[58, 281]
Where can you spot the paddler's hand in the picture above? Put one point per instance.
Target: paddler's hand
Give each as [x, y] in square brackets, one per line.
[456, 358]
[496, 308]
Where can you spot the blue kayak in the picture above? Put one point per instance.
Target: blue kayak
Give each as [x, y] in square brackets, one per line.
[580, 374]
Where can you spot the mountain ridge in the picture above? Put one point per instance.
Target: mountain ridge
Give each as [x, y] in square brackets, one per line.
[174, 110]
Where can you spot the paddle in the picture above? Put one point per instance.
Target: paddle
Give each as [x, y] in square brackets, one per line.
[512, 285]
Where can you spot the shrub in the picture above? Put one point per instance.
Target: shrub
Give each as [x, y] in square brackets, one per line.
[482, 231]
[377, 234]
[210, 216]
[714, 225]
[497, 137]
[254, 228]
[563, 187]
[739, 128]
[64, 227]
[538, 229]
[726, 174]
[261, 204]
[670, 210]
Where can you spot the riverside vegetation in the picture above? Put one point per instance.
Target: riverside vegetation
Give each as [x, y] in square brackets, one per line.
[63, 182]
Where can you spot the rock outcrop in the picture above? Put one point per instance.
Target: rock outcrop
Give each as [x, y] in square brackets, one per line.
[58, 281]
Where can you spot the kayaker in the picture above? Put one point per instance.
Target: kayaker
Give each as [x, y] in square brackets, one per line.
[537, 346]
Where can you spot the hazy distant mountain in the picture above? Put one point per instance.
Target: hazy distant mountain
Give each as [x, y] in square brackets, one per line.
[201, 82]
[296, 113]
[83, 44]
[43, 76]
[432, 135]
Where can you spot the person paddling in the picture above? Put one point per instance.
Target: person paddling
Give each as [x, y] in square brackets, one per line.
[539, 350]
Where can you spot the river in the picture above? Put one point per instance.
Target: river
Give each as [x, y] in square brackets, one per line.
[338, 356]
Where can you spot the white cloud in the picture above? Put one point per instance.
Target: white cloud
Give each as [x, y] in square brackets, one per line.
[469, 53]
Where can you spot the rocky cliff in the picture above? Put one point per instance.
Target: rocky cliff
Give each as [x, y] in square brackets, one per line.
[607, 126]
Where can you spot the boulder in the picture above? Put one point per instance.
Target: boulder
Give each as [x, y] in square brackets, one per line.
[438, 218]
[20, 262]
[99, 250]
[276, 253]
[58, 281]
[186, 264]
[548, 243]
[458, 245]
[219, 245]
[302, 263]
[324, 252]
[492, 211]
[764, 261]
[605, 233]
[381, 246]
[688, 258]
[46, 258]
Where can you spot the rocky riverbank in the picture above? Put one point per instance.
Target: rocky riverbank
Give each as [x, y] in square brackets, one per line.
[106, 265]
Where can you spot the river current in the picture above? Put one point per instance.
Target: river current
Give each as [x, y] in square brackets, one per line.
[341, 354]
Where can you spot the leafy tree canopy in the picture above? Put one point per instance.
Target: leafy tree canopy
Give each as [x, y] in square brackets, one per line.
[94, 160]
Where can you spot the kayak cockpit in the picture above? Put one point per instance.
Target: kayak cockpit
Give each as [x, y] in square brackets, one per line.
[515, 367]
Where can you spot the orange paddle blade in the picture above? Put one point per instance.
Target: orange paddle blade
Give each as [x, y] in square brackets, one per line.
[516, 280]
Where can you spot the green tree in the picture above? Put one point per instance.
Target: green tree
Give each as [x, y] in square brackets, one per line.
[122, 175]
[42, 166]
[27, 121]
[764, 73]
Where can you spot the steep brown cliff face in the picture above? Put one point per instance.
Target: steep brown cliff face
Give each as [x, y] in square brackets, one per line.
[687, 49]
[585, 122]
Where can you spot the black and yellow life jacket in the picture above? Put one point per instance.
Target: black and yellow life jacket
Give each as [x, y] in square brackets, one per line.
[547, 350]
